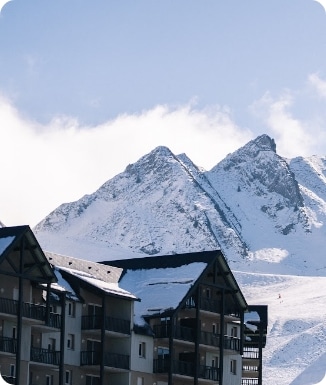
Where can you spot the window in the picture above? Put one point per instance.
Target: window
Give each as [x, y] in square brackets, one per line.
[71, 309]
[234, 331]
[215, 328]
[233, 367]
[68, 377]
[142, 349]
[208, 293]
[51, 344]
[12, 370]
[140, 381]
[215, 362]
[71, 341]
[53, 309]
[49, 380]
[14, 332]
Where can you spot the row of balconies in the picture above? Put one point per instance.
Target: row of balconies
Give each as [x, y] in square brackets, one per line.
[185, 368]
[38, 312]
[210, 305]
[189, 334]
[50, 357]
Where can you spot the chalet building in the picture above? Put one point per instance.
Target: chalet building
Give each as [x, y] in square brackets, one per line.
[168, 320]
[189, 324]
[25, 275]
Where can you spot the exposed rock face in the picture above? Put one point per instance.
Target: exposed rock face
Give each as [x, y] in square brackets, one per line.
[253, 204]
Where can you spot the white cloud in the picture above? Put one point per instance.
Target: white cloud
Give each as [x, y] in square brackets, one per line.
[294, 137]
[44, 166]
[318, 84]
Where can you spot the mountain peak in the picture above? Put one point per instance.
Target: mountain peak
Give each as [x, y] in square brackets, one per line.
[264, 142]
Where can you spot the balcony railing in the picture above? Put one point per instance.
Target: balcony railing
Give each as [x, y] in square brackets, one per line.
[232, 343]
[8, 345]
[29, 310]
[250, 381]
[45, 356]
[185, 368]
[111, 324]
[9, 379]
[211, 305]
[113, 360]
[250, 353]
[209, 373]
[180, 332]
[208, 338]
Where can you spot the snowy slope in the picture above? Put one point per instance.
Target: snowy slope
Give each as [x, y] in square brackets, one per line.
[295, 352]
[156, 206]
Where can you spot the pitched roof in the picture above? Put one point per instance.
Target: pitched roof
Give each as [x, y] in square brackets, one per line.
[96, 276]
[162, 282]
[21, 241]
[97, 270]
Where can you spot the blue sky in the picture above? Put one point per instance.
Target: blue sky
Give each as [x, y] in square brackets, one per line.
[88, 87]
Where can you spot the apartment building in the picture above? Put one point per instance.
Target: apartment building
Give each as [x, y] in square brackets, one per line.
[168, 320]
[190, 321]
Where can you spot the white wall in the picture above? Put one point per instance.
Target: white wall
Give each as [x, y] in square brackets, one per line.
[137, 363]
[228, 377]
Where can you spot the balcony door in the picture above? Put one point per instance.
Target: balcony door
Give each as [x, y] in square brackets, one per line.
[94, 352]
[94, 314]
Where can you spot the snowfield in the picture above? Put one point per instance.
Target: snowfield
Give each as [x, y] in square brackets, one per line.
[295, 352]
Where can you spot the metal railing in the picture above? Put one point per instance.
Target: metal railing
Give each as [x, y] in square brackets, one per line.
[113, 360]
[250, 381]
[8, 345]
[185, 368]
[232, 343]
[250, 353]
[45, 356]
[209, 338]
[180, 332]
[9, 379]
[211, 305]
[111, 324]
[29, 310]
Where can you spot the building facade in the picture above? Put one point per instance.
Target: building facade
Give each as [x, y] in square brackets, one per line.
[168, 320]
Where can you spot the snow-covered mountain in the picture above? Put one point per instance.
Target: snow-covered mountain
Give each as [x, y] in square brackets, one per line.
[266, 213]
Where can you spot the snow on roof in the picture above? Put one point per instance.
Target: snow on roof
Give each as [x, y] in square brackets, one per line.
[160, 289]
[5, 242]
[108, 287]
[63, 285]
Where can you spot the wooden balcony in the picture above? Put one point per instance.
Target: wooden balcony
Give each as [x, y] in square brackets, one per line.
[8, 345]
[113, 360]
[45, 356]
[29, 310]
[117, 325]
[184, 368]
